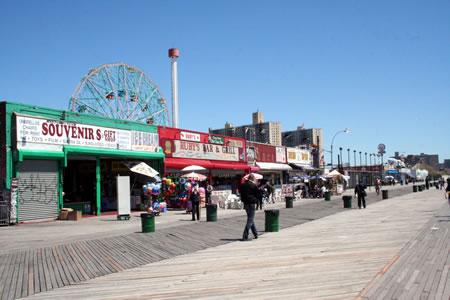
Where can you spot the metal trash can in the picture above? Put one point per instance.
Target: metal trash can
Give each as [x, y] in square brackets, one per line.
[289, 202]
[420, 188]
[148, 222]
[211, 212]
[327, 196]
[385, 194]
[347, 201]
[271, 222]
[415, 188]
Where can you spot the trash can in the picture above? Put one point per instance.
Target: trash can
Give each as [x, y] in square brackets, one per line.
[272, 216]
[415, 188]
[437, 186]
[420, 188]
[327, 196]
[148, 222]
[211, 212]
[289, 202]
[347, 201]
[385, 194]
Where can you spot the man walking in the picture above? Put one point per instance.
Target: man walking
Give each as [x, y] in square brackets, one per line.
[249, 193]
[361, 193]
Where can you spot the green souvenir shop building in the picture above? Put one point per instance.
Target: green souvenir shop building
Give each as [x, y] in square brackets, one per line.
[50, 159]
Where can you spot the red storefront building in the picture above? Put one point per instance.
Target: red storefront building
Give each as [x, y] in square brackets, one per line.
[224, 157]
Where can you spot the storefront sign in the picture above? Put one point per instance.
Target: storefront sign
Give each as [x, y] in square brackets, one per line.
[189, 136]
[212, 139]
[251, 156]
[184, 149]
[235, 143]
[281, 155]
[144, 141]
[298, 156]
[264, 152]
[38, 132]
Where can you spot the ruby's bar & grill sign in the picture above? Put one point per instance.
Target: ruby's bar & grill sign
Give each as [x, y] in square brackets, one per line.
[185, 149]
[33, 131]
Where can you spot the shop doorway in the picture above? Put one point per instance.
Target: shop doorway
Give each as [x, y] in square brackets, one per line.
[80, 184]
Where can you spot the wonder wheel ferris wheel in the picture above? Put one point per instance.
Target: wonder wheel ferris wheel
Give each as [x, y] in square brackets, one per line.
[120, 91]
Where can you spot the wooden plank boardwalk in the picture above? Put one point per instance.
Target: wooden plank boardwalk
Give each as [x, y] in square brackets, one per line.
[352, 254]
[33, 271]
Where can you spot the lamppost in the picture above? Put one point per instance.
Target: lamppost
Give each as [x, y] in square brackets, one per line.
[340, 155]
[346, 130]
[370, 156]
[348, 151]
[360, 163]
[354, 156]
[366, 159]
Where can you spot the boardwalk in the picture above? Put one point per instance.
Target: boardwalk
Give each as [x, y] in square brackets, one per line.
[43, 269]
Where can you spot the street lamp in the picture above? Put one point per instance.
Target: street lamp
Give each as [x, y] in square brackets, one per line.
[340, 155]
[366, 158]
[370, 156]
[346, 130]
[354, 156]
[348, 151]
[360, 163]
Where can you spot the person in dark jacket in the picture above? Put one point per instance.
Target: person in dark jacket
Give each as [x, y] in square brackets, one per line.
[249, 193]
[195, 199]
[361, 194]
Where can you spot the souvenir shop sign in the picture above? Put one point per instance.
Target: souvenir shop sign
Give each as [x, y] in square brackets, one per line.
[189, 136]
[212, 139]
[281, 155]
[35, 133]
[298, 156]
[185, 149]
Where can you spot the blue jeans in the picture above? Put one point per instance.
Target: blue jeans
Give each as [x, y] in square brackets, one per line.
[250, 210]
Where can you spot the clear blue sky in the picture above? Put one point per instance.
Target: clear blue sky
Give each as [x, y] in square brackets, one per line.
[380, 68]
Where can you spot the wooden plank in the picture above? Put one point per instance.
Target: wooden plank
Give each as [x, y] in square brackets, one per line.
[56, 276]
[76, 264]
[70, 264]
[19, 276]
[82, 251]
[9, 290]
[64, 267]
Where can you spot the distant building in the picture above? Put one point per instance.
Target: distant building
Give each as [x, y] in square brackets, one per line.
[259, 131]
[427, 159]
[446, 164]
[311, 138]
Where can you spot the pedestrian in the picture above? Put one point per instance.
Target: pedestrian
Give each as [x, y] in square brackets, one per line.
[269, 190]
[249, 193]
[261, 194]
[195, 199]
[377, 186]
[427, 183]
[441, 183]
[360, 192]
[447, 190]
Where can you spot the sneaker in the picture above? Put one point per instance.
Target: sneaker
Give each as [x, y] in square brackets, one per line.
[245, 240]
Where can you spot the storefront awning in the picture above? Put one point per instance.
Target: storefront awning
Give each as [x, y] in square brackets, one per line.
[254, 169]
[273, 167]
[180, 163]
[302, 167]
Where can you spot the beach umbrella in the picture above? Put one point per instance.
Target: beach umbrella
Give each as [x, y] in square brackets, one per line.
[195, 176]
[192, 168]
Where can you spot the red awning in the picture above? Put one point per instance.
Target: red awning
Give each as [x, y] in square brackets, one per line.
[230, 166]
[180, 163]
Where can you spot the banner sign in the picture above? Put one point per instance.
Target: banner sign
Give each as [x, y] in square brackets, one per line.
[189, 136]
[298, 156]
[185, 149]
[281, 155]
[235, 143]
[212, 139]
[39, 131]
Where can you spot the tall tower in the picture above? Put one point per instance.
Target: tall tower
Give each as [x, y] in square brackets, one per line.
[173, 54]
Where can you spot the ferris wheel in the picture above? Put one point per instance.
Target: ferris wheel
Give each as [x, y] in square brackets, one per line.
[120, 91]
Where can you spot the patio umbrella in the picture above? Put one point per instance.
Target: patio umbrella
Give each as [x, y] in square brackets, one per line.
[257, 176]
[141, 168]
[195, 176]
[192, 168]
[335, 173]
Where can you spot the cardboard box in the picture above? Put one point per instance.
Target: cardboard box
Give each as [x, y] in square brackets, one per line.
[63, 214]
[74, 215]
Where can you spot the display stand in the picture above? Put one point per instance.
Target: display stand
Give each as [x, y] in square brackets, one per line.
[123, 197]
